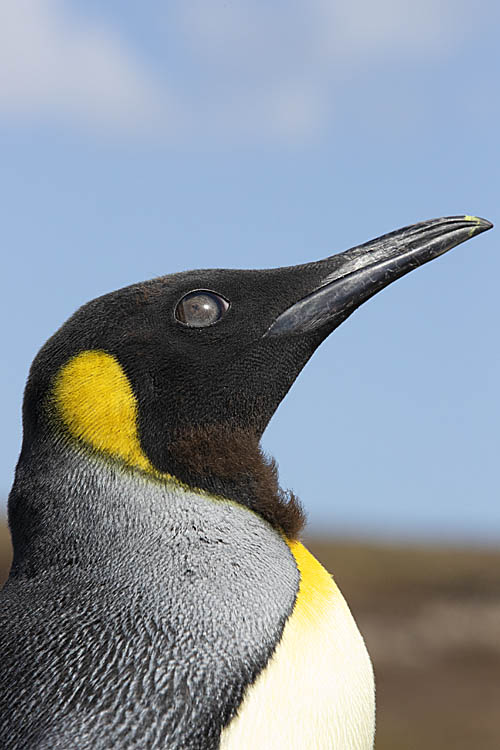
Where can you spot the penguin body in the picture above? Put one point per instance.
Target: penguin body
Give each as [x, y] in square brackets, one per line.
[159, 596]
[200, 618]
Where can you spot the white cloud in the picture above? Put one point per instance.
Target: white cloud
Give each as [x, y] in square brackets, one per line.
[273, 69]
[56, 65]
[240, 69]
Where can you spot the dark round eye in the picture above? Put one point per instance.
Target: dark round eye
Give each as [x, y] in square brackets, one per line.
[201, 308]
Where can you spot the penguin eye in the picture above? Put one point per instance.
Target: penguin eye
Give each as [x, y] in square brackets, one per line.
[201, 308]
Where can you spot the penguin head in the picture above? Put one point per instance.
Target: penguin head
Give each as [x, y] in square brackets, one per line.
[178, 377]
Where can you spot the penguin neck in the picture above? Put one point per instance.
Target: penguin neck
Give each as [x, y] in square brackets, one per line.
[71, 508]
[228, 461]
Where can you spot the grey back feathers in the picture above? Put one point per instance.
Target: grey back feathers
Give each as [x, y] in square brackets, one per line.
[140, 613]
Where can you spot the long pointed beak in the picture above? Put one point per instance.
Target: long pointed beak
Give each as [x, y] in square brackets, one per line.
[362, 271]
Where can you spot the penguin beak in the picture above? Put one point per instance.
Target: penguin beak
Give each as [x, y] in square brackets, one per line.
[352, 277]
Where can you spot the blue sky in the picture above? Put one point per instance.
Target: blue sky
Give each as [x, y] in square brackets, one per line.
[138, 139]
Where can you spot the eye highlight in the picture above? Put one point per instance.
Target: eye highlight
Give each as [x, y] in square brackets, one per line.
[201, 308]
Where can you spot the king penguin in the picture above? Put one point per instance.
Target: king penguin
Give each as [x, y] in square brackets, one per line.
[159, 596]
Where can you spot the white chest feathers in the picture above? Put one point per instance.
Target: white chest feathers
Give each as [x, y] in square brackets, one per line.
[317, 692]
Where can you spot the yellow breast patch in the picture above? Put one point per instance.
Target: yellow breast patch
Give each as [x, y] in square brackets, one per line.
[316, 585]
[96, 403]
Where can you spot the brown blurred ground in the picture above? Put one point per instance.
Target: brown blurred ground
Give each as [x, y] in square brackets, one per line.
[431, 619]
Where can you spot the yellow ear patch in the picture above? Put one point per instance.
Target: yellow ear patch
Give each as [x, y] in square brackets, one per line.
[96, 403]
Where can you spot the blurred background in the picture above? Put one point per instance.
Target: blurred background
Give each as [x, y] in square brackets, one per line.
[141, 139]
